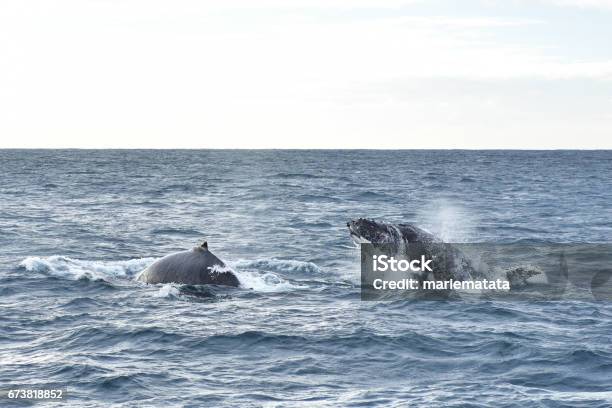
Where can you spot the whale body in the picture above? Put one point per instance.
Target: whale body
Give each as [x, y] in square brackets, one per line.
[197, 266]
[453, 263]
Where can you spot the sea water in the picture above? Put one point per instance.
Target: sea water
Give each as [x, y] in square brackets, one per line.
[77, 226]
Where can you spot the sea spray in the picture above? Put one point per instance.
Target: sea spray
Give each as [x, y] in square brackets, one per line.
[69, 268]
[451, 222]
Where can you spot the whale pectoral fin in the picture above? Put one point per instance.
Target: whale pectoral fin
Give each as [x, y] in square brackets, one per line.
[518, 276]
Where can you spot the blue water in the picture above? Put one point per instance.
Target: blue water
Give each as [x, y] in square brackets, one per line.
[77, 226]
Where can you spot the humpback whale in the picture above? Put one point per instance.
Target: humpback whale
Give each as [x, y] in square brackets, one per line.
[197, 266]
[449, 262]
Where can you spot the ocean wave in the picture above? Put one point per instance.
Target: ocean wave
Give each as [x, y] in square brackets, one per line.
[258, 275]
[176, 231]
[319, 198]
[250, 338]
[372, 195]
[258, 281]
[167, 291]
[277, 265]
[68, 268]
[261, 275]
[298, 176]
[266, 282]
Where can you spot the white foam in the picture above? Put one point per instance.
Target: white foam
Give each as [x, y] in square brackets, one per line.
[218, 269]
[277, 265]
[167, 291]
[260, 274]
[265, 282]
[68, 268]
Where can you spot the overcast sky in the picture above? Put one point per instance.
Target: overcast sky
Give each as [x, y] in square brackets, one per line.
[306, 73]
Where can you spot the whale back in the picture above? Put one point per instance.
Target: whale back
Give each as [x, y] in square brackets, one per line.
[197, 266]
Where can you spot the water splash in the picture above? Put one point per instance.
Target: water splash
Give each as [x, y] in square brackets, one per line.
[278, 265]
[261, 274]
[265, 282]
[450, 222]
[167, 291]
[68, 268]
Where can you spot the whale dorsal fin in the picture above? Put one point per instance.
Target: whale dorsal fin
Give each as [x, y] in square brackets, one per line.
[204, 245]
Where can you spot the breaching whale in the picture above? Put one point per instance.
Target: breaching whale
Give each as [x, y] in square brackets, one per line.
[197, 266]
[450, 262]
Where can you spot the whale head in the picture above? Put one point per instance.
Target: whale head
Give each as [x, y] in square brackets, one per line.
[364, 230]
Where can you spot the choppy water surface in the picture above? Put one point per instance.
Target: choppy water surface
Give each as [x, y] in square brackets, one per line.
[77, 226]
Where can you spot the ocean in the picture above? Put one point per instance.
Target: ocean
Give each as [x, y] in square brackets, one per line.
[76, 227]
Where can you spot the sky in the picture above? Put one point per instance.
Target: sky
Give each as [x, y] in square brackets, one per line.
[409, 74]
